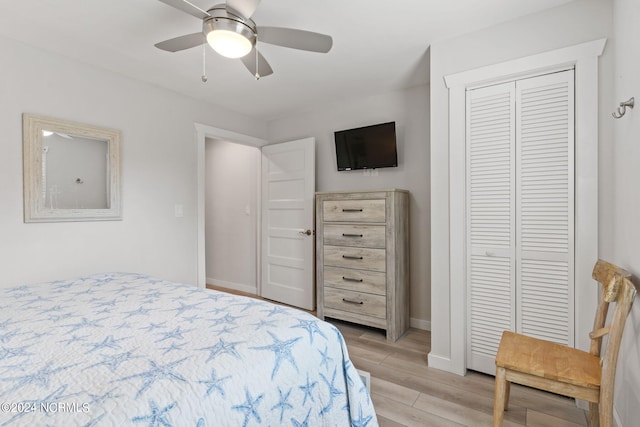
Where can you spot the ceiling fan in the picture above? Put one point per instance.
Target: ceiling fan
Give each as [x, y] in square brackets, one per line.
[230, 31]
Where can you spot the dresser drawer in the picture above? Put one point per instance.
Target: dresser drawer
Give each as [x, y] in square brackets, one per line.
[365, 236]
[355, 302]
[373, 282]
[354, 210]
[362, 258]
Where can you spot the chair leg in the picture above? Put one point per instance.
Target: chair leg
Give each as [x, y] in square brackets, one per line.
[500, 397]
[507, 393]
[594, 415]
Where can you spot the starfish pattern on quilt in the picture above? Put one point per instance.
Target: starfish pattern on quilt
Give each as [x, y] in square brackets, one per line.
[250, 407]
[281, 350]
[41, 378]
[333, 391]
[108, 342]
[214, 383]
[312, 328]
[283, 404]
[303, 423]
[308, 389]
[156, 373]
[157, 416]
[222, 347]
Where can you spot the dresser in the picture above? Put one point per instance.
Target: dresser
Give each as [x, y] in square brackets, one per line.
[362, 258]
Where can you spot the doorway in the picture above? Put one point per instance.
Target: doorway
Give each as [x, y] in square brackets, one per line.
[232, 182]
[282, 173]
[204, 132]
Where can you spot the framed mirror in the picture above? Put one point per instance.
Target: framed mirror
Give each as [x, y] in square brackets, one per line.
[71, 171]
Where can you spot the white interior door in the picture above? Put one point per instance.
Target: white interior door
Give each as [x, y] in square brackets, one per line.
[288, 186]
[490, 221]
[545, 194]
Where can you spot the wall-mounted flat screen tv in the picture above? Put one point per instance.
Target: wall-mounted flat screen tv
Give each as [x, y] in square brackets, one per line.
[368, 147]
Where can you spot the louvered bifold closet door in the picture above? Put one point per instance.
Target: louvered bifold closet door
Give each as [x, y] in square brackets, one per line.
[490, 221]
[545, 197]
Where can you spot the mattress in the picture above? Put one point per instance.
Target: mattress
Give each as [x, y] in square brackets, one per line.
[124, 349]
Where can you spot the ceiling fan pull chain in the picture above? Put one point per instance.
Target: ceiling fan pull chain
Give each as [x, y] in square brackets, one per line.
[204, 63]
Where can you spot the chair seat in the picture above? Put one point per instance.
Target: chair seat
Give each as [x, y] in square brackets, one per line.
[548, 360]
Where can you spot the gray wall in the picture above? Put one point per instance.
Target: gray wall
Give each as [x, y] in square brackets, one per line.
[410, 110]
[158, 170]
[620, 235]
[231, 212]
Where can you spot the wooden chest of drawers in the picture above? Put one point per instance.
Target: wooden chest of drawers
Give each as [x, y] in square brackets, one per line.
[362, 258]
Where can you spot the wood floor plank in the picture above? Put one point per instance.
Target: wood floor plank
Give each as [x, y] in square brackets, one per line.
[401, 394]
[538, 419]
[386, 422]
[458, 413]
[408, 415]
[367, 353]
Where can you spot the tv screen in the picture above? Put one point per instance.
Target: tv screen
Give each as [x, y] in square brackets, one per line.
[368, 147]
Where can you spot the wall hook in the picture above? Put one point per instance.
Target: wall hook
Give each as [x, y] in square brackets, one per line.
[622, 109]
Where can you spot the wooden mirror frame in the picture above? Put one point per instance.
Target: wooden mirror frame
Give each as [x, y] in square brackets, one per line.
[34, 207]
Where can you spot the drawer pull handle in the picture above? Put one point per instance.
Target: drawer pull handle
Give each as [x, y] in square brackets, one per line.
[351, 210]
[349, 279]
[350, 301]
[351, 257]
[351, 235]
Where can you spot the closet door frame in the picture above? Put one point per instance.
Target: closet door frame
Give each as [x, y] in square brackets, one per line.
[584, 59]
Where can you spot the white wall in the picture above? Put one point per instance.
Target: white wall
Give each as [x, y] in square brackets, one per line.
[570, 24]
[158, 170]
[410, 110]
[621, 241]
[231, 212]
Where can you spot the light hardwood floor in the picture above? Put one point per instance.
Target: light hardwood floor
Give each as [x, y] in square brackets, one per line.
[406, 392]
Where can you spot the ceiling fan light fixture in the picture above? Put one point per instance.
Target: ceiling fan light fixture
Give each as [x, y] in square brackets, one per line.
[228, 33]
[229, 43]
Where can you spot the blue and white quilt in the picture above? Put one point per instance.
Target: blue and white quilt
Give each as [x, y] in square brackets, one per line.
[130, 350]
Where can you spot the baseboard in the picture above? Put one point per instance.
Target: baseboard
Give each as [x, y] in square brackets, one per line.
[442, 363]
[231, 285]
[425, 325]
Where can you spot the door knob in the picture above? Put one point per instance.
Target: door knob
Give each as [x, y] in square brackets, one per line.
[306, 232]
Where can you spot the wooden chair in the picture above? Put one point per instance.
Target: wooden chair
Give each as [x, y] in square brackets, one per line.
[568, 371]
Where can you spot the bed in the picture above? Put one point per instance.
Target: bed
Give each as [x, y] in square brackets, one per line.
[125, 349]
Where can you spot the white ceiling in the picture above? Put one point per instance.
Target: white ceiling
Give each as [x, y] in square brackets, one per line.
[378, 46]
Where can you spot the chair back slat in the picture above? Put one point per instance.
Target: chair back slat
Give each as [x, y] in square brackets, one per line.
[610, 277]
[624, 299]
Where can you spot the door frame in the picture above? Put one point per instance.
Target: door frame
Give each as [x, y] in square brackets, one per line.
[202, 133]
[446, 300]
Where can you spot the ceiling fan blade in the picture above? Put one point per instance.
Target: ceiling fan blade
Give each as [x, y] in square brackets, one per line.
[295, 39]
[249, 61]
[181, 43]
[246, 7]
[187, 7]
